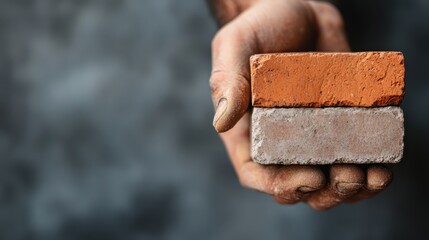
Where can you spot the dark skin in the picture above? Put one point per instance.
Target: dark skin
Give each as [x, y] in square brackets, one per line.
[266, 26]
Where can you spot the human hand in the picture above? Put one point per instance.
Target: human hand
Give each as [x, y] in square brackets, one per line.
[281, 26]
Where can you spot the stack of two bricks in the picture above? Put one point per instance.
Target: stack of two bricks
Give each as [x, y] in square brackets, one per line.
[326, 108]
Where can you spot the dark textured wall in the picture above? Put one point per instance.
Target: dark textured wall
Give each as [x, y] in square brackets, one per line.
[105, 127]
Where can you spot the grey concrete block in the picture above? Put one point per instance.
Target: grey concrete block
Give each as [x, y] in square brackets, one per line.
[327, 135]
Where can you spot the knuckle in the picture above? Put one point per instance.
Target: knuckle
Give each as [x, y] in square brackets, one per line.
[249, 177]
[243, 177]
[216, 77]
[329, 16]
[278, 191]
[213, 82]
[243, 181]
[223, 80]
[218, 38]
[333, 18]
[337, 23]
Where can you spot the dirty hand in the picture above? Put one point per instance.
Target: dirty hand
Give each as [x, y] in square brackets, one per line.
[281, 26]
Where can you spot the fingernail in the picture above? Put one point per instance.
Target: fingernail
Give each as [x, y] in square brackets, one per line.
[306, 189]
[220, 110]
[347, 187]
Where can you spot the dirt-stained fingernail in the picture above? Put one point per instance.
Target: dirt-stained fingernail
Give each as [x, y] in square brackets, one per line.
[306, 189]
[348, 187]
[220, 110]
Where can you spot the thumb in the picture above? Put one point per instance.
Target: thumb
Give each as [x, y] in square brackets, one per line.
[253, 32]
[230, 79]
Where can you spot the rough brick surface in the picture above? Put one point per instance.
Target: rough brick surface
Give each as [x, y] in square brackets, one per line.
[327, 135]
[327, 79]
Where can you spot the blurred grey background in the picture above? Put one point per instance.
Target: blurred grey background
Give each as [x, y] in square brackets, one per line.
[105, 127]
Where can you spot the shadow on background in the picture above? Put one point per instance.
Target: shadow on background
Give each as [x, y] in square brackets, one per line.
[105, 127]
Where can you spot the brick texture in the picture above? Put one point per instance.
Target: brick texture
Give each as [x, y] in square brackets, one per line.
[327, 135]
[363, 79]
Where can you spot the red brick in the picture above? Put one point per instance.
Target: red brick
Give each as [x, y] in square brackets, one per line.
[364, 79]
